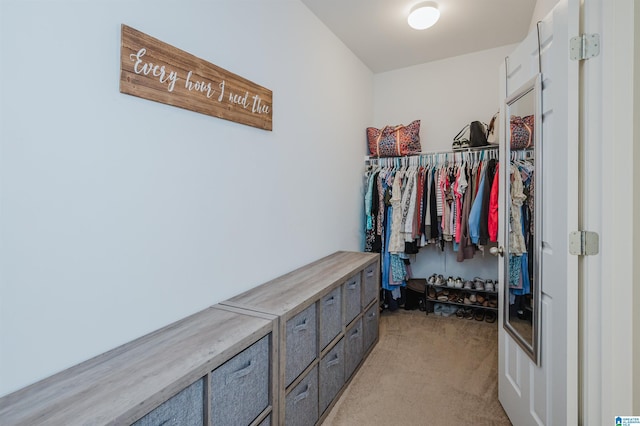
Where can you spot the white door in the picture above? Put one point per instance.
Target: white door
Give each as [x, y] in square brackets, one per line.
[546, 393]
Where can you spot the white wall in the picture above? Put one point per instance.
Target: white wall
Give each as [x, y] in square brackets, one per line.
[542, 9]
[120, 215]
[445, 95]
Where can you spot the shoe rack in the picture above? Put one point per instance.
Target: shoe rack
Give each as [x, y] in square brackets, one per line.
[469, 299]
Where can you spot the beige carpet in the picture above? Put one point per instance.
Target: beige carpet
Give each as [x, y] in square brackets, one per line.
[425, 370]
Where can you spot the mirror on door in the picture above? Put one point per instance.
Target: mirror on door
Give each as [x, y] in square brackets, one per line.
[522, 260]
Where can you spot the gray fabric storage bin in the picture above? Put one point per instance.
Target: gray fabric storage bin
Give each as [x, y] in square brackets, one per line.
[301, 345]
[331, 375]
[353, 349]
[330, 317]
[352, 298]
[370, 326]
[370, 284]
[186, 408]
[240, 386]
[302, 402]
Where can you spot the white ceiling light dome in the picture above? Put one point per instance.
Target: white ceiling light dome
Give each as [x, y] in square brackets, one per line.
[423, 15]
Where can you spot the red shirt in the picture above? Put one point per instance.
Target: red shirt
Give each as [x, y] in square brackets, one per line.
[493, 208]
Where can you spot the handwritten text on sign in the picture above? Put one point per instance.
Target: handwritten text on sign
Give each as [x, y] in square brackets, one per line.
[159, 72]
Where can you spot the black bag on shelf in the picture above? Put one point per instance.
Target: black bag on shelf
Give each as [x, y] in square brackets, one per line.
[477, 134]
[472, 135]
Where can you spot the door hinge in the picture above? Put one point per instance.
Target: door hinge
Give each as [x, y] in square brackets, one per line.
[584, 46]
[584, 243]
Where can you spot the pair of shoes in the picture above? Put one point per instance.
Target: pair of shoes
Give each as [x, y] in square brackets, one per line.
[492, 303]
[480, 299]
[468, 285]
[432, 279]
[451, 282]
[489, 286]
[437, 309]
[448, 310]
[468, 313]
[479, 315]
[473, 298]
[431, 293]
[464, 313]
[440, 280]
[458, 283]
[479, 284]
[490, 316]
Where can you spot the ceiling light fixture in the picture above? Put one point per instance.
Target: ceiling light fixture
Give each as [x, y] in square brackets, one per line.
[423, 15]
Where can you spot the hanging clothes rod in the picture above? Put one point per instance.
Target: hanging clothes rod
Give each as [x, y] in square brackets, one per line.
[525, 154]
[423, 154]
[440, 156]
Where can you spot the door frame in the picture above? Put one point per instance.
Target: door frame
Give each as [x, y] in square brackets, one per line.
[609, 342]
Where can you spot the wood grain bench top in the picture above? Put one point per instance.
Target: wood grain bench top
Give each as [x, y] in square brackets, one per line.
[291, 292]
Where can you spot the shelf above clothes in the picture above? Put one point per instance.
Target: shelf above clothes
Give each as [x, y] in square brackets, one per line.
[437, 157]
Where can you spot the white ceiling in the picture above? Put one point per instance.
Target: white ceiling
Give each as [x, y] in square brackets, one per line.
[377, 31]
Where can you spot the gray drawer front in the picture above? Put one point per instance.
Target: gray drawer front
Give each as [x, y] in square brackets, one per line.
[330, 317]
[300, 343]
[370, 284]
[331, 375]
[301, 407]
[352, 298]
[353, 348]
[240, 386]
[370, 326]
[185, 408]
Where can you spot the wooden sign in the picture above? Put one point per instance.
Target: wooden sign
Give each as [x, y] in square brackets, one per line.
[159, 72]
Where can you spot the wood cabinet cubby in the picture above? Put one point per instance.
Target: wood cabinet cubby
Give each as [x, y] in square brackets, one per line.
[323, 309]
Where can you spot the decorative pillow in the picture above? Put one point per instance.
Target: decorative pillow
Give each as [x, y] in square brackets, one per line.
[394, 141]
